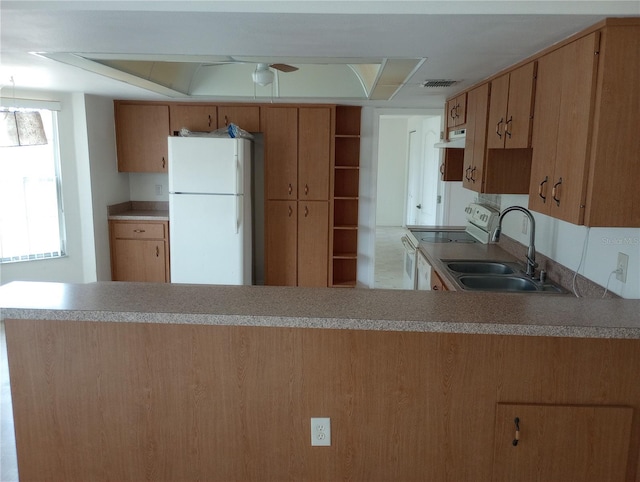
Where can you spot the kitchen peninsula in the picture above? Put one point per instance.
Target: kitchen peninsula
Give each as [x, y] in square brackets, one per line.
[135, 381]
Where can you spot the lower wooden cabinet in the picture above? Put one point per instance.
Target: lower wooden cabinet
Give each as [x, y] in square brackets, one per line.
[556, 443]
[297, 243]
[139, 251]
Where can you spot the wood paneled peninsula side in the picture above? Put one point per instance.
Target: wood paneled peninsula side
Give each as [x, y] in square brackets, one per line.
[136, 381]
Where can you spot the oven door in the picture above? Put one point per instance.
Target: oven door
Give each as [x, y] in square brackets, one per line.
[409, 270]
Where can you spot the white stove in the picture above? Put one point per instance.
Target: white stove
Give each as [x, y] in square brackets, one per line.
[481, 222]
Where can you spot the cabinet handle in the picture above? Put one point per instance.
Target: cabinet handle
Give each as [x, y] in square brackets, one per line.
[290, 211]
[226, 120]
[434, 288]
[139, 231]
[473, 179]
[516, 421]
[555, 191]
[306, 189]
[498, 127]
[157, 251]
[209, 120]
[290, 189]
[442, 168]
[466, 173]
[451, 112]
[164, 162]
[457, 110]
[506, 127]
[306, 211]
[541, 187]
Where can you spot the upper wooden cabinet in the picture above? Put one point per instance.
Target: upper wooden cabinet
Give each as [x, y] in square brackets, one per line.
[495, 171]
[476, 138]
[314, 152]
[457, 111]
[511, 108]
[247, 117]
[585, 166]
[452, 165]
[141, 136]
[195, 117]
[280, 127]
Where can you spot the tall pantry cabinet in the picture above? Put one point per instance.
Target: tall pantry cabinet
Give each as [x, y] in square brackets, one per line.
[298, 160]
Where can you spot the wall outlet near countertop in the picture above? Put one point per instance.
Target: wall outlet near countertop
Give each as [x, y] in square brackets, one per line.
[321, 431]
[158, 189]
[621, 267]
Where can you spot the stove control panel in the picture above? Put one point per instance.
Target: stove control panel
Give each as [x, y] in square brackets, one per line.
[483, 216]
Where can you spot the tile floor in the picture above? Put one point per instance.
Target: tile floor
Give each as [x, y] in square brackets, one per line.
[388, 275]
[389, 258]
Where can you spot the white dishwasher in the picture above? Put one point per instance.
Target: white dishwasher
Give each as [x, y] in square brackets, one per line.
[409, 268]
[424, 272]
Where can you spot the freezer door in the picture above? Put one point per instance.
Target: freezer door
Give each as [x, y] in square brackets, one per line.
[210, 239]
[208, 165]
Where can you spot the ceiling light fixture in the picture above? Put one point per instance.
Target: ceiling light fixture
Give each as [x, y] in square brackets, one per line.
[263, 75]
[20, 127]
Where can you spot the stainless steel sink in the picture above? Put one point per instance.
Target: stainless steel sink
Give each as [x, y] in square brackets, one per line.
[498, 283]
[481, 267]
[483, 275]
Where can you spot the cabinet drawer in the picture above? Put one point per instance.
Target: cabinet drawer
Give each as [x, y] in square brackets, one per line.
[139, 230]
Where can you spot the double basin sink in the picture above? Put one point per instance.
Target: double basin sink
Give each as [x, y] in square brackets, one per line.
[497, 276]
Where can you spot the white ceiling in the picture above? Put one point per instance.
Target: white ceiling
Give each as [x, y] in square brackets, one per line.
[461, 40]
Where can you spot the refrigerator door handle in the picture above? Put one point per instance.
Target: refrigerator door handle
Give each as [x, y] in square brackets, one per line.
[238, 219]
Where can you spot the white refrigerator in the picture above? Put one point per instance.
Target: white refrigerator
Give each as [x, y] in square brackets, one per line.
[210, 210]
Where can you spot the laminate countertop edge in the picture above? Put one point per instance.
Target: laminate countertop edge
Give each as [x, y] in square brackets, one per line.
[323, 308]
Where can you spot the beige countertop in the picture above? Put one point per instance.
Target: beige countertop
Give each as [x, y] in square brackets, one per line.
[330, 308]
[141, 215]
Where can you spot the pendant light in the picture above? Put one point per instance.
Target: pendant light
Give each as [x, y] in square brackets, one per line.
[21, 127]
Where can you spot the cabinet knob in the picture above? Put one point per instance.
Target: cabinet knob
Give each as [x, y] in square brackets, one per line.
[139, 230]
[164, 162]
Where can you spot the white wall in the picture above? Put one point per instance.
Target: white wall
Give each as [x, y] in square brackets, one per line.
[392, 171]
[564, 242]
[108, 186]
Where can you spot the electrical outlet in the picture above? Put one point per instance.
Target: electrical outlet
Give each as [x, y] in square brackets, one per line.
[158, 189]
[621, 267]
[525, 225]
[320, 432]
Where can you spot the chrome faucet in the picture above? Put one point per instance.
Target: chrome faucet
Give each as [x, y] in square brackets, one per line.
[531, 252]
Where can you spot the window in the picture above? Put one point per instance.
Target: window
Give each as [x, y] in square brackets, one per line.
[31, 214]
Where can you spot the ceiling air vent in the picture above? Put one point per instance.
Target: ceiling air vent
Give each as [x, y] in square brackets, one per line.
[439, 83]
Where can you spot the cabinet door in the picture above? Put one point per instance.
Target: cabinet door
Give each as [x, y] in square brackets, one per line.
[196, 118]
[314, 152]
[517, 128]
[545, 130]
[280, 126]
[141, 137]
[461, 109]
[558, 443]
[498, 112]
[281, 242]
[139, 260]
[245, 117]
[313, 243]
[475, 143]
[574, 128]
[452, 165]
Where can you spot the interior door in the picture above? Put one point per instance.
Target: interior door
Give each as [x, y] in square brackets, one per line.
[414, 181]
[427, 215]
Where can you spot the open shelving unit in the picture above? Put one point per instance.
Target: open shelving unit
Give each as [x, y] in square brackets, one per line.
[345, 197]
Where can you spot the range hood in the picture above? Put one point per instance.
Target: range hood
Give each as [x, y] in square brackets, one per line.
[456, 140]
